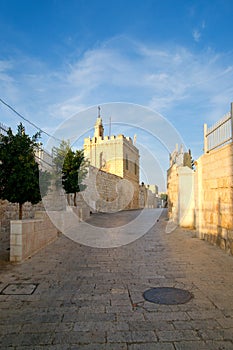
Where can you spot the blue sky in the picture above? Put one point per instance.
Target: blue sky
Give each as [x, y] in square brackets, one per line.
[174, 57]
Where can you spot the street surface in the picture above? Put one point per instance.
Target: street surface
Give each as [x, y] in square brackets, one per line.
[71, 296]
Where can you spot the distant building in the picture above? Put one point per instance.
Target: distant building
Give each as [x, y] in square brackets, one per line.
[181, 158]
[148, 196]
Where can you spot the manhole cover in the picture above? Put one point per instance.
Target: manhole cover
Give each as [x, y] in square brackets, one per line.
[167, 296]
[19, 289]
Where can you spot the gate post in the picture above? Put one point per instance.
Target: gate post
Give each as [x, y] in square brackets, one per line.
[231, 121]
[205, 139]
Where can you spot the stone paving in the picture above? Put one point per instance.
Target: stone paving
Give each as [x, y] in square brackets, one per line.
[70, 296]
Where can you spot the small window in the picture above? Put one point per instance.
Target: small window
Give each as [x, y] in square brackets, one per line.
[135, 168]
[101, 159]
[126, 162]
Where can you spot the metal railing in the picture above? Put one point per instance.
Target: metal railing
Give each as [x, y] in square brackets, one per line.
[44, 158]
[220, 133]
[3, 129]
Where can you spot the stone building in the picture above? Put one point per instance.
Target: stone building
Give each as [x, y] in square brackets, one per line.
[180, 188]
[181, 158]
[148, 196]
[115, 155]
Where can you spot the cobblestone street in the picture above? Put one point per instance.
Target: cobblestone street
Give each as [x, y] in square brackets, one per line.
[71, 296]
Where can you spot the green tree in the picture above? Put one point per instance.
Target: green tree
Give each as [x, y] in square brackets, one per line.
[19, 172]
[70, 168]
[59, 154]
[74, 171]
[163, 196]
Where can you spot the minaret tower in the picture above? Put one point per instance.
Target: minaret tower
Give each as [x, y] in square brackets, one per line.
[99, 129]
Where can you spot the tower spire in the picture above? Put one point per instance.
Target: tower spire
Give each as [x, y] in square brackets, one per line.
[99, 129]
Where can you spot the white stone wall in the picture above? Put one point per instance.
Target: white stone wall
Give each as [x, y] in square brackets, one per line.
[180, 189]
[10, 211]
[29, 236]
[204, 199]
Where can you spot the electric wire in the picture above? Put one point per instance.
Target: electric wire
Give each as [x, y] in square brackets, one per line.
[28, 121]
[44, 161]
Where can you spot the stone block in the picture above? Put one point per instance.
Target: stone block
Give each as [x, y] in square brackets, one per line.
[30, 236]
[223, 243]
[16, 227]
[16, 239]
[16, 251]
[231, 247]
[230, 234]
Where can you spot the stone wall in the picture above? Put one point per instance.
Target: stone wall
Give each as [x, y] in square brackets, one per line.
[173, 192]
[55, 201]
[8, 212]
[109, 193]
[214, 197]
[204, 199]
[29, 236]
[180, 189]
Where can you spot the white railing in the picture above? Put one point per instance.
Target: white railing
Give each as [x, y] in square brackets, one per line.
[220, 133]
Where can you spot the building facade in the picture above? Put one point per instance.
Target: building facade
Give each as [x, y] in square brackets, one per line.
[115, 155]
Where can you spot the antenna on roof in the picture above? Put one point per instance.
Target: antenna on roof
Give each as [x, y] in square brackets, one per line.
[110, 126]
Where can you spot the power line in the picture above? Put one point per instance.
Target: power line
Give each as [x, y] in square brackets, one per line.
[44, 161]
[28, 121]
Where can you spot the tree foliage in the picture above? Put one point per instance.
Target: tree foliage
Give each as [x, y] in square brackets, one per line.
[19, 172]
[71, 168]
[60, 154]
[163, 196]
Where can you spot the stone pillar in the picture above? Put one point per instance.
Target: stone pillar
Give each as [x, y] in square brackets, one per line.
[232, 121]
[199, 198]
[186, 197]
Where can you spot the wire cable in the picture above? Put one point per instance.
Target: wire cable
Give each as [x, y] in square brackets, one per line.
[28, 121]
[44, 161]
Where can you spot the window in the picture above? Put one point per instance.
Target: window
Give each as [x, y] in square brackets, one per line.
[101, 159]
[127, 162]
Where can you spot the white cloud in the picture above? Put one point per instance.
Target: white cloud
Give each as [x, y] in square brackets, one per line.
[203, 24]
[182, 85]
[196, 35]
[197, 32]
